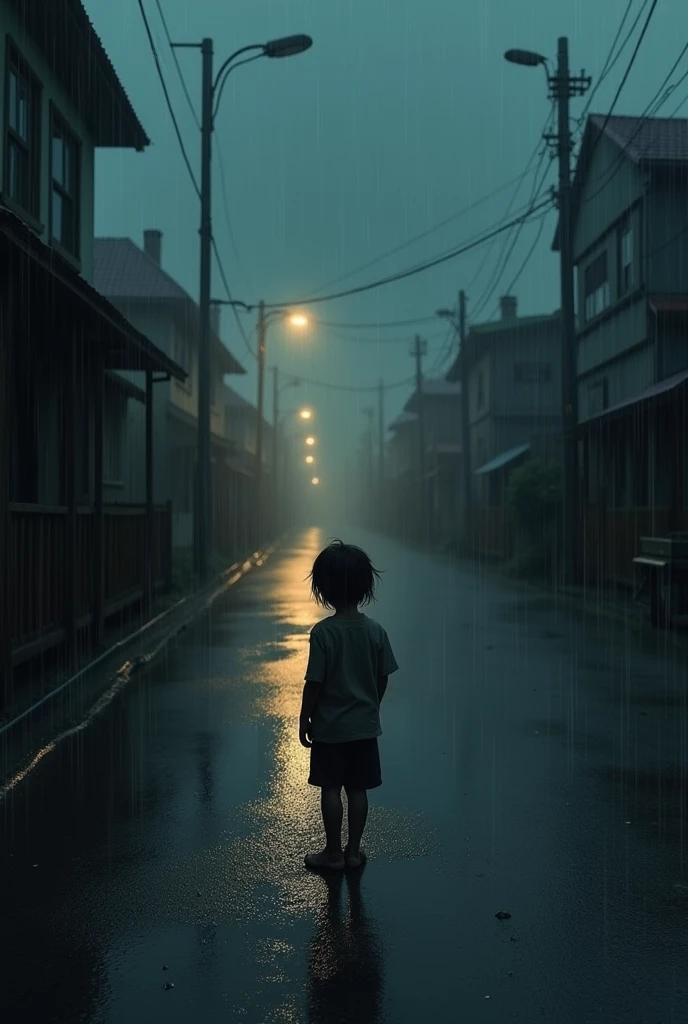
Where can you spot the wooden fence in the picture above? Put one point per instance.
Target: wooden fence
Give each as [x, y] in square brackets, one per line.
[38, 568]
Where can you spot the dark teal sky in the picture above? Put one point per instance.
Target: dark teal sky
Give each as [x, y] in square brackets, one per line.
[402, 114]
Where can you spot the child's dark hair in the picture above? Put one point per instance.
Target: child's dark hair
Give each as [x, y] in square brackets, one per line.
[343, 576]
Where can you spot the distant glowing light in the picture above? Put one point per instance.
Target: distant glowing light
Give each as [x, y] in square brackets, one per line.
[310, 460]
[298, 320]
[310, 441]
[315, 481]
[306, 414]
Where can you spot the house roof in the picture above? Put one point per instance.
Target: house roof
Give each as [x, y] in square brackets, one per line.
[432, 388]
[403, 420]
[125, 273]
[482, 333]
[641, 140]
[124, 347]
[503, 459]
[63, 32]
[654, 391]
[646, 138]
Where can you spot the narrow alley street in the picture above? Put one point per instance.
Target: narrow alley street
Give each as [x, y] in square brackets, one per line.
[534, 762]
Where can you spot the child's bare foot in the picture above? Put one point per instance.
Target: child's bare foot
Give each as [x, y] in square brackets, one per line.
[354, 859]
[325, 861]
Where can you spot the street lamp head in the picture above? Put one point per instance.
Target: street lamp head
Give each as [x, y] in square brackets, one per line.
[310, 441]
[298, 320]
[310, 460]
[445, 314]
[527, 58]
[315, 481]
[287, 46]
[306, 414]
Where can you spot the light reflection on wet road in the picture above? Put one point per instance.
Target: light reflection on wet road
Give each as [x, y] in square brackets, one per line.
[532, 763]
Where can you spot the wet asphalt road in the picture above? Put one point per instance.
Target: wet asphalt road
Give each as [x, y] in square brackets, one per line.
[534, 762]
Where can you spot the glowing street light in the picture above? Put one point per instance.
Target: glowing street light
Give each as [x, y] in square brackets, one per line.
[298, 320]
[315, 481]
[310, 441]
[306, 414]
[310, 460]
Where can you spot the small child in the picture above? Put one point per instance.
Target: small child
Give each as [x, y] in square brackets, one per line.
[346, 679]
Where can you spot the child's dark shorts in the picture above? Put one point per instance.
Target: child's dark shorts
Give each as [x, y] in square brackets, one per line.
[355, 765]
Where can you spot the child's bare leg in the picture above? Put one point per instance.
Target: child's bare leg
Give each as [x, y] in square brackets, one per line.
[358, 815]
[332, 813]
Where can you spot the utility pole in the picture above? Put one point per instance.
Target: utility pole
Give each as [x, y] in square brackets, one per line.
[419, 350]
[465, 428]
[562, 88]
[203, 495]
[276, 491]
[262, 327]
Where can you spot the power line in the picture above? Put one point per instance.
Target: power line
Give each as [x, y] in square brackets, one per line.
[177, 64]
[353, 388]
[524, 264]
[628, 69]
[167, 99]
[228, 221]
[411, 271]
[621, 85]
[521, 179]
[536, 192]
[609, 63]
[385, 324]
[229, 297]
[400, 340]
[655, 104]
[424, 234]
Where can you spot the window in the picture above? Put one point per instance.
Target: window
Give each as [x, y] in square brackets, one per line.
[481, 390]
[22, 141]
[533, 373]
[64, 198]
[596, 286]
[625, 259]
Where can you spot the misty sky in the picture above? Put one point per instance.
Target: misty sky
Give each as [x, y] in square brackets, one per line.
[400, 115]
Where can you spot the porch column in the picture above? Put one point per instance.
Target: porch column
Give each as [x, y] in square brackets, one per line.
[6, 582]
[98, 511]
[150, 509]
[71, 552]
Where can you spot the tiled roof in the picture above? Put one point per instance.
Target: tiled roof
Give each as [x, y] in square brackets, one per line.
[123, 271]
[647, 138]
[512, 323]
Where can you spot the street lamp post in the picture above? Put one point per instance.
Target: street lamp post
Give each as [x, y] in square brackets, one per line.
[212, 88]
[562, 87]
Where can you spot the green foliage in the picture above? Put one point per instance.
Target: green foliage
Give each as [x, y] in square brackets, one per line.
[533, 497]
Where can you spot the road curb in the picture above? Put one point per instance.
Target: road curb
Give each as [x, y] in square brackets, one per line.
[104, 677]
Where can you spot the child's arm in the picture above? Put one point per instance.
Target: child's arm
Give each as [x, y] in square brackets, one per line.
[382, 686]
[311, 693]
